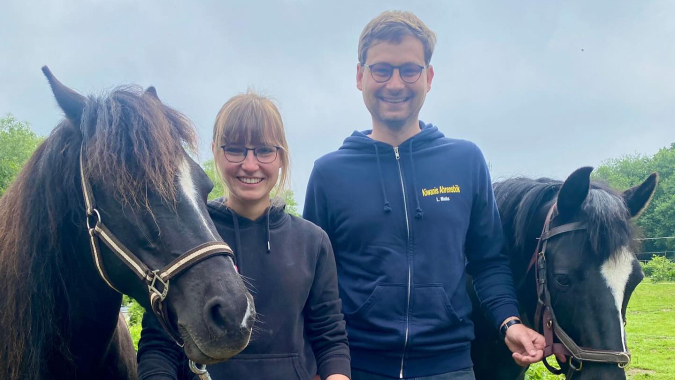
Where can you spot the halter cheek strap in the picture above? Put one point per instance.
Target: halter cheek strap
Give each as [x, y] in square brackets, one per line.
[157, 280]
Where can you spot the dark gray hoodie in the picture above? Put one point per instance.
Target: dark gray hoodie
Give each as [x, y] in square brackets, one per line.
[291, 274]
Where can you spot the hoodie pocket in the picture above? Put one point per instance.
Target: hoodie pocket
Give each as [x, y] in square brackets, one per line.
[433, 320]
[259, 366]
[379, 322]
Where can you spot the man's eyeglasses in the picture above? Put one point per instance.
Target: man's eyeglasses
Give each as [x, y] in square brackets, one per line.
[382, 72]
[237, 154]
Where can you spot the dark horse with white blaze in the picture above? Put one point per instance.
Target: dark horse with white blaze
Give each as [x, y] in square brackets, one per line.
[144, 215]
[570, 249]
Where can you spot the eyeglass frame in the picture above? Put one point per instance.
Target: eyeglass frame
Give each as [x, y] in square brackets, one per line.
[392, 67]
[276, 153]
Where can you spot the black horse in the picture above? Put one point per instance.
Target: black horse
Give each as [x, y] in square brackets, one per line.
[590, 271]
[59, 318]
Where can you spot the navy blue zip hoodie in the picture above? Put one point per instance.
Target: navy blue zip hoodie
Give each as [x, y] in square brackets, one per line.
[300, 330]
[406, 224]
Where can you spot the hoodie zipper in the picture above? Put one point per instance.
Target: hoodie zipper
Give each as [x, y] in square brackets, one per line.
[407, 224]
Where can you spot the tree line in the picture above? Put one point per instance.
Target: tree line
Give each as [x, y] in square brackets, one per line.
[657, 222]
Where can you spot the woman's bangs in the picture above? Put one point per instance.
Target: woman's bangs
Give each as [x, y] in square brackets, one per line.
[249, 131]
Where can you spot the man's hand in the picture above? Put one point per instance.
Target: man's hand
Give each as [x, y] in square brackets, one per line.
[526, 344]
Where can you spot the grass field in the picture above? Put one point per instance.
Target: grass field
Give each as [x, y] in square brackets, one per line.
[651, 335]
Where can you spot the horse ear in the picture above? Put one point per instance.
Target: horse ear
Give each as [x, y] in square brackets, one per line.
[637, 198]
[70, 101]
[574, 191]
[152, 91]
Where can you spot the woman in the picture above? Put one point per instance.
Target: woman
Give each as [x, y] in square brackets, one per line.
[287, 261]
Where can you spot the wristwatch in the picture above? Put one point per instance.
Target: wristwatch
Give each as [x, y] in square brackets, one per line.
[508, 324]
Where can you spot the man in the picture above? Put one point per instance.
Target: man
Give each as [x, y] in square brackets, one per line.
[409, 213]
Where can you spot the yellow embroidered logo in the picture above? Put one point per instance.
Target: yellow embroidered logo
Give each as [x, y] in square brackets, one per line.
[454, 189]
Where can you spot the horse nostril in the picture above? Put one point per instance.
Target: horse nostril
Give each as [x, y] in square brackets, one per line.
[228, 316]
[216, 313]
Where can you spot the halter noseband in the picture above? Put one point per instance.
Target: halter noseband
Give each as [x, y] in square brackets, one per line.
[156, 280]
[545, 314]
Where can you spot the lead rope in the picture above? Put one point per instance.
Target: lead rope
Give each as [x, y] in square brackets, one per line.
[201, 372]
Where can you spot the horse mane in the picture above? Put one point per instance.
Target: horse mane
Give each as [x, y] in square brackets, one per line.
[132, 140]
[608, 220]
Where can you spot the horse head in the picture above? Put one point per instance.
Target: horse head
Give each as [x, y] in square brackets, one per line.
[151, 197]
[590, 267]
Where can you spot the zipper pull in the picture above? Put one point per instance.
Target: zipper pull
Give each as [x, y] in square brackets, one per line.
[396, 152]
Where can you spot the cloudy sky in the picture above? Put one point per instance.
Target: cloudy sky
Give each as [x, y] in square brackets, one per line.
[542, 87]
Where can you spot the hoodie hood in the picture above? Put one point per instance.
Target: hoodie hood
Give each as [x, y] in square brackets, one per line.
[276, 213]
[361, 142]
[427, 137]
[273, 217]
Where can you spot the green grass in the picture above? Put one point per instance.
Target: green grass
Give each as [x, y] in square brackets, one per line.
[651, 331]
[651, 335]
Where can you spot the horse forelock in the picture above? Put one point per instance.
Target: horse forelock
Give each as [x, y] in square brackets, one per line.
[609, 228]
[35, 213]
[135, 143]
[521, 202]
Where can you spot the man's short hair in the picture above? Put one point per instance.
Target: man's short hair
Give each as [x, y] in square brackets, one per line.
[392, 26]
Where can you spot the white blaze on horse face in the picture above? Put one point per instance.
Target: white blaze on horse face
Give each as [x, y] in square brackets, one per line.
[246, 321]
[190, 192]
[616, 271]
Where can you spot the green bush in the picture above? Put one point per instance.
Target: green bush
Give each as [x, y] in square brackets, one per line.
[135, 317]
[135, 332]
[660, 269]
[647, 269]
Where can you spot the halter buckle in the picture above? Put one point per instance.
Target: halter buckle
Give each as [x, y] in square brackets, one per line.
[581, 364]
[153, 288]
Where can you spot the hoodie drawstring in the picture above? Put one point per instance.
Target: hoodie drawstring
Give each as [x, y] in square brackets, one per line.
[268, 229]
[386, 207]
[235, 219]
[419, 214]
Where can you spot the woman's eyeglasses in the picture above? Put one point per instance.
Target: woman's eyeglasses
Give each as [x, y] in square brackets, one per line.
[237, 154]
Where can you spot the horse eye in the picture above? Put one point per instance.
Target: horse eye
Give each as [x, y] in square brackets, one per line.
[562, 280]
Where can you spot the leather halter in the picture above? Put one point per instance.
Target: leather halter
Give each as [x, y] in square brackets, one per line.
[545, 314]
[156, 280]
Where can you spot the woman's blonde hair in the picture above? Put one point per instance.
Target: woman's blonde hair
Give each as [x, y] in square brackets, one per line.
[251, 119]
